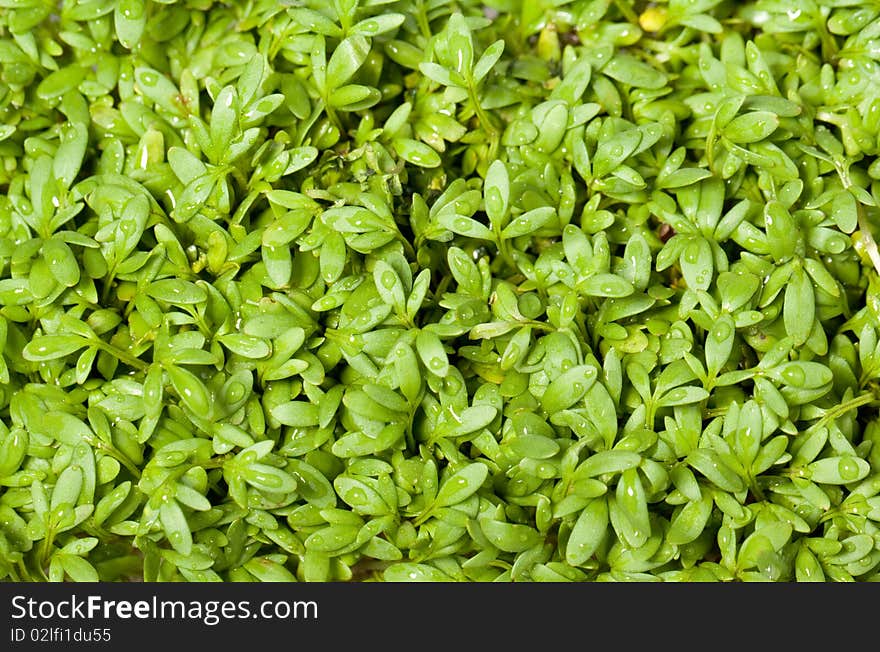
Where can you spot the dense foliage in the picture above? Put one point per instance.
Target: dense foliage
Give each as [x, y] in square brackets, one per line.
[529, 290]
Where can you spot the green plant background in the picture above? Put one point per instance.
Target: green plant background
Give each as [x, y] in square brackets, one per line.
[418, 290]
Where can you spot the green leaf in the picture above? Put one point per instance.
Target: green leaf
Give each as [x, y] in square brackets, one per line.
[690, 521]
[603, 462]
[414, 572]
[710, 464]
[361, 496]
[606, 285]
[781, 228]
[432, 353]
[461, 485]
[697, 264]
[296, 413]
[588, 532]
[529, 222]
[77, 568]
[487, 60]
[176, 528]
[67, 487]
[346, 59]
[631, 500]
[190, 389]
[268, 478]
[510, 537]
[356, 97]
[799, 309]
[52, 347]
[496, 194]
[177, 292]
[683, 396]
[569, 388]
[842, 469]
[751, 127]
[268, 570]
[417, 153]
[441, 75]
[628, 70]
[224, 118]
[379, 24]
[158, 89]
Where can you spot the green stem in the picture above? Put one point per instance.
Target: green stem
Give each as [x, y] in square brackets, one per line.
[627, 11]
[424, 516]
[108, 285]
[504, 250]
[123, 459]
[123, 356]
[45, 550]
[333, 117]
[839, 410]
[756, 490]
[215, 463]
[867, 238]
[422, 20]
[650, 415]
[407, 246]
[485, 122]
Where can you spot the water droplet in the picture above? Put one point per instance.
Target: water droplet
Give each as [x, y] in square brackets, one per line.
[149, 79]
[268, 480]
[722, 330]
[389, 279]
[173, 458]
[265, 106]
[848, 468]
[357, 497]
[794, 375]
[132, 9]
[235, 392]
